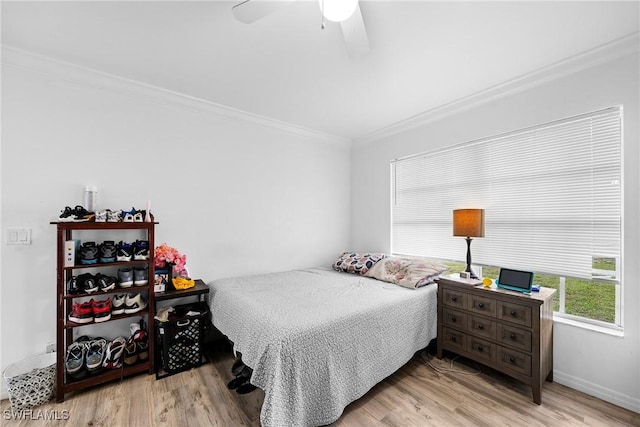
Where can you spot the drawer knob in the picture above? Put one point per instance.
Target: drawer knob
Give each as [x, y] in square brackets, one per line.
[454, 298]
[513, 313]
[480, 305]
[453, 319]
[481, 326]
[512, 359]
[512, 336]
[480, 348]
[453, 338]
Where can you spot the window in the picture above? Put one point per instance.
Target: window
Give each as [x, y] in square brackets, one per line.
[552, 196]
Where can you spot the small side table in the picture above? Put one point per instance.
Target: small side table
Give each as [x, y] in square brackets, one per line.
[200, 290]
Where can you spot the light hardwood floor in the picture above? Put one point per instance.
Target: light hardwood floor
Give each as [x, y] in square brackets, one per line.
[416, 395]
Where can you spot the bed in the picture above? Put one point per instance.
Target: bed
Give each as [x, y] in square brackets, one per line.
[318, 339]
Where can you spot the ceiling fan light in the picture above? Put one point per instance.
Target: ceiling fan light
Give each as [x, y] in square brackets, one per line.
[337, 10]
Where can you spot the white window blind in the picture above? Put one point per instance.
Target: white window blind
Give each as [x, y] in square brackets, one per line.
[551, 194]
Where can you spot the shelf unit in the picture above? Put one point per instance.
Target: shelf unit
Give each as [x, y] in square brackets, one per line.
[64, 327]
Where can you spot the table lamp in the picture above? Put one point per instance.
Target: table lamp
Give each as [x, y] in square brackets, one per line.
[468, 223]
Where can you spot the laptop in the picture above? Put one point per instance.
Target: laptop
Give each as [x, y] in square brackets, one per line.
[515, 280]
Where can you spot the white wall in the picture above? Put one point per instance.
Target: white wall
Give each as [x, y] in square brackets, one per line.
[599, 364]
[236, 193]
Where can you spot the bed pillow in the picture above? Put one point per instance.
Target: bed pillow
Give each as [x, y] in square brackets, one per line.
[407, 272]
[356, 263]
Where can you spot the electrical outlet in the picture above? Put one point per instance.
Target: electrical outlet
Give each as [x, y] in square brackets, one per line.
[51, 347]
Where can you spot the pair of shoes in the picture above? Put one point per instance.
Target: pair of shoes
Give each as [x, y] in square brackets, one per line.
[77, 214]
[107, 215]
[133, 215]
[139, 251]
[127, 303]
[137, 346]
[85, 353]
[91, 311]
[241, 382]
[138, 276]
[113, 356]
[87, 283]
[82, 284]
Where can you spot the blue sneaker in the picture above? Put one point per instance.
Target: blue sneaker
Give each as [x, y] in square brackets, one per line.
[107, 251]
[124, 252]
[141, 250]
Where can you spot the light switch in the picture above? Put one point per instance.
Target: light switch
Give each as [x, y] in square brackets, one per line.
[18, 236]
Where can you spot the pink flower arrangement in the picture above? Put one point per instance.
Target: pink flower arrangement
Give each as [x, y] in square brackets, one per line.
[164, 254]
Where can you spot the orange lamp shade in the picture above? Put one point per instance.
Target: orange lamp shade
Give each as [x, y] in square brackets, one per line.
[468, 222]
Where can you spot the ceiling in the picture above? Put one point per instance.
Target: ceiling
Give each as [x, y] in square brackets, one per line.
[424, 54]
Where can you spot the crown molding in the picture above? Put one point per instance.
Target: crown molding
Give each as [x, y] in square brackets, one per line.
[608, 52]
[82, 76]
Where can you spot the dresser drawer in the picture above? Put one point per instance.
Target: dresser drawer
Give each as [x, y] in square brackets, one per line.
[454, 318]
[514, 313]
[514, 337]
[482, 305]
[453, 339]
[481, 327]
[514, 360]
[481, 349]
[454, 298]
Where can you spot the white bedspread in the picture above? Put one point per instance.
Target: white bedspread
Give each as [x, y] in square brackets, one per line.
[318, 339]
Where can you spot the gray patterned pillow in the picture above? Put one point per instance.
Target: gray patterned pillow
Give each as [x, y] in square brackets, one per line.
[353, 262]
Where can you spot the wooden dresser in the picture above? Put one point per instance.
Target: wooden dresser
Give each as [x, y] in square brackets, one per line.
[505, 330]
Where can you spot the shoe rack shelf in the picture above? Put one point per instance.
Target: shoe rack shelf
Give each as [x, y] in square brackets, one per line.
[64, 327]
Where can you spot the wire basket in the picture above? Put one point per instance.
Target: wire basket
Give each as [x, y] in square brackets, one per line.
[31, 381]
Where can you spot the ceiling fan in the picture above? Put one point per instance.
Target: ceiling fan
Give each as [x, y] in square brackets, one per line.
[346, 12]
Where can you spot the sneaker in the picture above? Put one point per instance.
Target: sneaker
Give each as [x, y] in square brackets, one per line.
[77, 214]
[73, 287]
[101, 310]
[139, 216]
[130, 352]
[87, 283]
[140, 276]
[141, 250]
[101, 216]
[113, 354]
[88, 253]
[128, 216]
[107, 250]
[141, 339]
[105, 283]
[125, 277]
[134, 303]
[124, 252]
[74, 360]
[114, 216]
[81, 313]
[117, 304]
[96, 350]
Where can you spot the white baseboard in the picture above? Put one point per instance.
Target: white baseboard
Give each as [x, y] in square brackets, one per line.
[595, 390]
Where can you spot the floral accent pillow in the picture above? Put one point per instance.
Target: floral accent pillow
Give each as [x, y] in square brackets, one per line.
[352, 262]
[407, 272]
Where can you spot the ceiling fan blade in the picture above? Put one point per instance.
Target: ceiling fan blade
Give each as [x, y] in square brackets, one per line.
[355, 34]
[251, 10]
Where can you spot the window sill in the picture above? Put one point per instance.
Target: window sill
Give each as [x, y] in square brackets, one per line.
[607, 330]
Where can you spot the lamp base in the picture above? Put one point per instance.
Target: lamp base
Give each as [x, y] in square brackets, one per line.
[469, 270]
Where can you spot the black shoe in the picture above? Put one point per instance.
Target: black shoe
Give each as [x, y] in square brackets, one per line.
[73, 287]
[238, 366]
[107, 251]
[246, 388]
[105, 283]
[240, 379]
[87, 283]
[88, 253]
